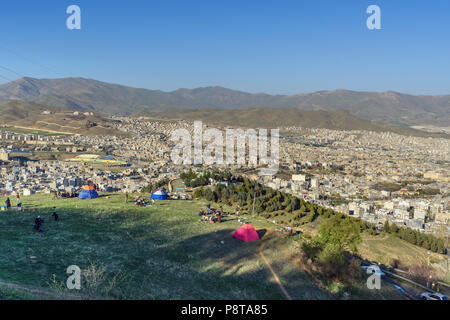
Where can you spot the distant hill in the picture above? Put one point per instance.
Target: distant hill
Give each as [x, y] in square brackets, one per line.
[29, 115]
[283, 117]
[87, 94]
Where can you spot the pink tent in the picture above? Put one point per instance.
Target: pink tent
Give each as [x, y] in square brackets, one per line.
[246, 233]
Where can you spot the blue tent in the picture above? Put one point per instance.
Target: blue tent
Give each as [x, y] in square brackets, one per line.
[88, 194]
[159, 194]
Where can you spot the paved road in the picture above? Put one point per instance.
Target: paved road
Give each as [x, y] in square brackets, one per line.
[409, 291]
[408, 287]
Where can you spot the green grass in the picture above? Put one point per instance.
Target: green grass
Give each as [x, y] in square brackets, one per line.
[159, 252]
[386, 247]
[38, 132]
[14, 294]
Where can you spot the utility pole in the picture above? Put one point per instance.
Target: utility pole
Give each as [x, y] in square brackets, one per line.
[446, 246]
[254, 200]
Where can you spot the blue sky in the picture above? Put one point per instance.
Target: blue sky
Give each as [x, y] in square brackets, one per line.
[279, 46]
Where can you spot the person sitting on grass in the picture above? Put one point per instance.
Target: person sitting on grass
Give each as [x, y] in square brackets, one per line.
[219, 215]
[55, 215]
[38, 224]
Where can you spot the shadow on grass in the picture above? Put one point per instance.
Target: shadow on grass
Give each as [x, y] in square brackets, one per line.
[159, 256]
[261, 233]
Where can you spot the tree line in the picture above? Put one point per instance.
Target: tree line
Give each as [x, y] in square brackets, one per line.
[417, 238]
[156, 185]
[254, 198]
[193, 179]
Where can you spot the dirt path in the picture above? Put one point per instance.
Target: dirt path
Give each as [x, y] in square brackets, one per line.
[40, 293]
[58, 125]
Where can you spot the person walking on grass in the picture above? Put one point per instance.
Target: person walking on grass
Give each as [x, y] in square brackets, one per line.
[18, 197]
[126, 197]
[55, 215]
[8, 203]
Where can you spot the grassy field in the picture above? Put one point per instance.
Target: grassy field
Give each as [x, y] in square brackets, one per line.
[386, 248]
[159, 252]
[35, 131]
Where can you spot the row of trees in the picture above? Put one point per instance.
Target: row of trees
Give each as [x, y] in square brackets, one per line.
[330, 252]
[193, 180]
[417, 238]
[257, 199]
[153, 186]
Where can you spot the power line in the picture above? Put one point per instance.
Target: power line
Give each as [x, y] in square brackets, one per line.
[27, 80]
[30, 60]
[12, 71]
[3, 77]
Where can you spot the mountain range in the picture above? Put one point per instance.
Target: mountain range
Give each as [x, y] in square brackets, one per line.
[87, 94]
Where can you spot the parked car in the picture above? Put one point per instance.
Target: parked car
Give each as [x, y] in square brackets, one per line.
[433, 296]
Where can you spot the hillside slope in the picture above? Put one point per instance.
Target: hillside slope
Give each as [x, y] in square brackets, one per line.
[29, 115]
[158, 252]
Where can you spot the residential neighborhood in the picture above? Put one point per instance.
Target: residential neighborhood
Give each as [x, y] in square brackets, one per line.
[375, 176]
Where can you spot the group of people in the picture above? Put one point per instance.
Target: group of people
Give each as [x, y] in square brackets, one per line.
[142, 203]
[211, 215]
[8, 206]
[39, 222]
[64, 195]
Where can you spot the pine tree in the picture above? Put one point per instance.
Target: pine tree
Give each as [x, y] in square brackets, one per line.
[386, 227]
